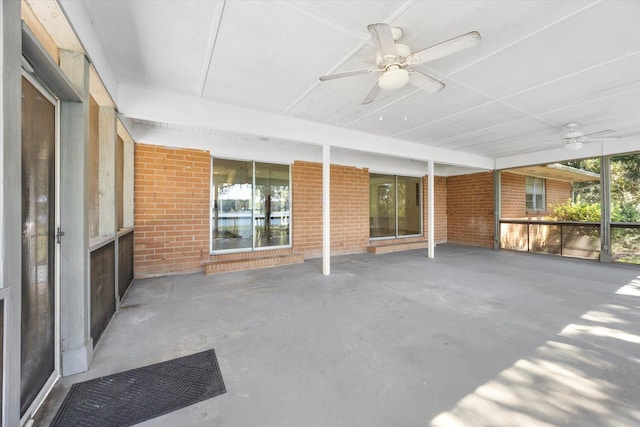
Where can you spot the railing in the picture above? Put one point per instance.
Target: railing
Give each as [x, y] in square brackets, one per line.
[570, 238]
[566, 238]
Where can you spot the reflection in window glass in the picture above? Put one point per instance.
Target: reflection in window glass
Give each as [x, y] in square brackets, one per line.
[271, 205]
[382, 200]
[232, 218]
[251, 203]
[409, 212]
[394, 206]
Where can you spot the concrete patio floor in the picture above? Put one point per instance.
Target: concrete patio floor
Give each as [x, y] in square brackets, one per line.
[474, 337]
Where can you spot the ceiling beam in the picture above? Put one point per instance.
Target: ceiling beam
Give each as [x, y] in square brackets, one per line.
[211, 44]
[593, 149]
[177, 109]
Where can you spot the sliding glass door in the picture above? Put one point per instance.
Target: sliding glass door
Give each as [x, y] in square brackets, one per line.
[251, 205]
[232, 205]
[271, 199]
[394, 206]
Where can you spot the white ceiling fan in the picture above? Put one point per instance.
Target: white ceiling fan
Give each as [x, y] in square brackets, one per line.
[396, 63]
[573, 139]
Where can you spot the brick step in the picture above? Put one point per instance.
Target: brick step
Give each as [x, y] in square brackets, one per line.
[383, 248]
[251, 263]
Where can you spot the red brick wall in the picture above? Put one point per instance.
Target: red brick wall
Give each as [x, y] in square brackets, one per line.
[557, 193]
[171, 197]
[513, 196]
[306, 199]
[349, 209]
[470, 219]
[440, 201]
[513, 192]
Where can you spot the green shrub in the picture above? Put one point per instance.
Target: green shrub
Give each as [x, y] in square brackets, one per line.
[576, 211]
[590, 212]
[625, 212]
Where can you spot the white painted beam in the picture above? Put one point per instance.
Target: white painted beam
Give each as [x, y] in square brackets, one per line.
[170, 107]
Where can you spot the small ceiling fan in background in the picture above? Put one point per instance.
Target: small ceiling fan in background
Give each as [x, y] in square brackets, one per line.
[573, 139]
[396, 63]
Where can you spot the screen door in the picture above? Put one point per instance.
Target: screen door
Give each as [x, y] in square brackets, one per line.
[39, 323]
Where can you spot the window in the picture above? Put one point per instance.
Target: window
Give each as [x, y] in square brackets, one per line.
[534, 189]
[394, 206]
[250, 205]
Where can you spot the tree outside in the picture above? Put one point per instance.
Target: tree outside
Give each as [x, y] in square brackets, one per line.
[584, 206]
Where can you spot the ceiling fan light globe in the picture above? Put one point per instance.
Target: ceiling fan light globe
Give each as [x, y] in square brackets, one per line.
[393, 79]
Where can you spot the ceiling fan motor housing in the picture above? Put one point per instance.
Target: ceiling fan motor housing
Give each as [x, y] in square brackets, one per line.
[402, 52]
[572, 135]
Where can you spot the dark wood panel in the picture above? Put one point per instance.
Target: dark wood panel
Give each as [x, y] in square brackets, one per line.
[125, 262]
[103, 296]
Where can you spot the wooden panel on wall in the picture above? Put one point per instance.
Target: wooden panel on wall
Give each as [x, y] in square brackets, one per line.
[125, 262]
[94, 169]
[103, 295]
[120, 182]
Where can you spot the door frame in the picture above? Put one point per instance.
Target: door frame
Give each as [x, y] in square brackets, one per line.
[55, 376]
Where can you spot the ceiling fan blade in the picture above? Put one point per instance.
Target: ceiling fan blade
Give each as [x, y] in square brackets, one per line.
[375, 90]
[348, 74]
[602, 132]
[445, 48]
[425, 82]
[383, 38]
[598, 139]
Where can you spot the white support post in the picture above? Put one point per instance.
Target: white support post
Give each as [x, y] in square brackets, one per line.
[431, 209]
[326, 209]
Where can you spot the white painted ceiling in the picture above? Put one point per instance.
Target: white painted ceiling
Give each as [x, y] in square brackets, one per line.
[540, 65]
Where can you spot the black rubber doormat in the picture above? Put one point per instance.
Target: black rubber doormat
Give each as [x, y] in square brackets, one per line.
[130, 397]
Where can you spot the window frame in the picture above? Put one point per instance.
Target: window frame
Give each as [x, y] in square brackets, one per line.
[253, 247]
[420, 198]
[536, 191]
